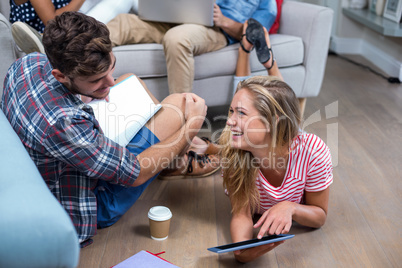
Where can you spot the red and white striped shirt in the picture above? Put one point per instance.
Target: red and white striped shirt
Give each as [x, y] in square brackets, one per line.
[309, 169]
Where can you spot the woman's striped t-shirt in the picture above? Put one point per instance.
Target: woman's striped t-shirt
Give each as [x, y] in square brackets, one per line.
[309, 169]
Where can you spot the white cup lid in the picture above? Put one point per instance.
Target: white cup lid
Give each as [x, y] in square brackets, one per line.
[159, 213]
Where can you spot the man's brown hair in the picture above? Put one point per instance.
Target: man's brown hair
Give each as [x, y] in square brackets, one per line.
[77, 45]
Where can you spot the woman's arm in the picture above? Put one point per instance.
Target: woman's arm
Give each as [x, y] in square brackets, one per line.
[278, 219]
[47, 11]
[241, 225]
[314, 212]
[241, 228]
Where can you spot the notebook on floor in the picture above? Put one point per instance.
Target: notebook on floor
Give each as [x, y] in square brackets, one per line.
[177, 11]
[145, 259]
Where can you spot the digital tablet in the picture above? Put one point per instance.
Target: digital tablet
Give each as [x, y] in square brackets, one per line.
[250, 243]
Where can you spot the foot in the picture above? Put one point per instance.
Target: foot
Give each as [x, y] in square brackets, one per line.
[255, 34]
[270, 63]
[244, 43]
[195, 165]
[203, 145]
[27, 38]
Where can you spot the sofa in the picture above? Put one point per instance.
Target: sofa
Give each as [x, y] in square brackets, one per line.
[35, 230]
[300, 48]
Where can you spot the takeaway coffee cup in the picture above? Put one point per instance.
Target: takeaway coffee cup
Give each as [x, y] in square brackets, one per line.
[159, 222]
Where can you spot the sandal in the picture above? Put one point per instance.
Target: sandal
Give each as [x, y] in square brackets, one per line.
[256, 36]
[198, 165]
[242, 46]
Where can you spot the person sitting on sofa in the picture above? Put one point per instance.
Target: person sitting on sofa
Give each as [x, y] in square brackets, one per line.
[94, 178]
[182, 42]
[29, 17]
[287, 172]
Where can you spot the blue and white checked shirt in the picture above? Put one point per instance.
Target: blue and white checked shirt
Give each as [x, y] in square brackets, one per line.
[64, 140]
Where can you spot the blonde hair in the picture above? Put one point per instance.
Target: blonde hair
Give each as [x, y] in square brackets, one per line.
[277, 104]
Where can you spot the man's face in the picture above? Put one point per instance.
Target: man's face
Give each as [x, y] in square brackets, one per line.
[95, 86]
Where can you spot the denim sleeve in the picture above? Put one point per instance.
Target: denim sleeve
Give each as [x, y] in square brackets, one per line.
[266, 13]
[263, 11]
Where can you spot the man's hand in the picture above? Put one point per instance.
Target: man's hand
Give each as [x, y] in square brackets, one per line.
[219, 19]
[196, 111]
[231, 27]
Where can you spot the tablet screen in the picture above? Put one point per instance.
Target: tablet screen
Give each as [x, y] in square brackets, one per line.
[250, 243]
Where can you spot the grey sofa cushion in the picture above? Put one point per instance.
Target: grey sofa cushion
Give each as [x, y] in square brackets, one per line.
[144, 60]
[35, 229]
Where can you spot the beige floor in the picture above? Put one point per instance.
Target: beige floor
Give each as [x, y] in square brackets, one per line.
[359, 115]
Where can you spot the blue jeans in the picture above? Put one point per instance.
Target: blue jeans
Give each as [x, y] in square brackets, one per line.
[114, 200]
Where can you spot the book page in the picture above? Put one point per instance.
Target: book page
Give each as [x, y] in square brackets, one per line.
[128, 110]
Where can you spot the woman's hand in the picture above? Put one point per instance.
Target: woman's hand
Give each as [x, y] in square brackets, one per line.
[276, 220]
[250, 254]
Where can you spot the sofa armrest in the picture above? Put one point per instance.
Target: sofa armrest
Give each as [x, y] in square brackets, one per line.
[35, 229]
[313, 24]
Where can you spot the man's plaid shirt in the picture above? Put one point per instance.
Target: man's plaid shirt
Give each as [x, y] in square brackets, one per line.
[64, 140]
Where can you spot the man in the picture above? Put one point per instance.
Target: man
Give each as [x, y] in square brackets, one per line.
[182, 42]
[95, 179]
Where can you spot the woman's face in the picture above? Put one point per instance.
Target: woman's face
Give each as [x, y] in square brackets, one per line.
[249, 130]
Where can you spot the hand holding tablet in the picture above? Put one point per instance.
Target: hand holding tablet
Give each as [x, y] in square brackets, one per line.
[250, 243]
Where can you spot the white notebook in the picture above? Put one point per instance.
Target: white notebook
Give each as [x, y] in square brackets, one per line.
[128, 110]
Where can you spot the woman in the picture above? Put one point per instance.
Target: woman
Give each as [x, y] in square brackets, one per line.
[272, 168]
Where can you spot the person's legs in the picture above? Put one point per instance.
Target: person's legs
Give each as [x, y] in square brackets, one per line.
[194, 160]
[114, 200]
[27, 38]
[130, 29]
[170, 118]
[181, 44]
[271, 65]
[243, 70]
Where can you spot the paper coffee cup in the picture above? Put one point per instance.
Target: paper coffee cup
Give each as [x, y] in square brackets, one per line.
[159, 222]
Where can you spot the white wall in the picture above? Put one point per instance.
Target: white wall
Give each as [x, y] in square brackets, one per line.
[350, 37]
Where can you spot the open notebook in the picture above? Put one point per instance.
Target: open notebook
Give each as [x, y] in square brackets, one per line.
[128, 110]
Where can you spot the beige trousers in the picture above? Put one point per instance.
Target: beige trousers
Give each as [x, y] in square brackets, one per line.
[181, 42]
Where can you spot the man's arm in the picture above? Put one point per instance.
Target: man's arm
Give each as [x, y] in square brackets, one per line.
[231, 27]
[265, 13]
